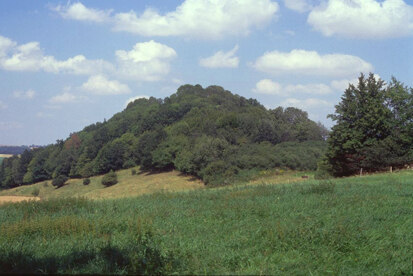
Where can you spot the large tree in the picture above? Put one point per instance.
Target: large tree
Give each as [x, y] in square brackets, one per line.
[373, 127]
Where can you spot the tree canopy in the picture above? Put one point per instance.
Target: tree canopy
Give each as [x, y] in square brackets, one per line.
[207, 132]
[374, 127]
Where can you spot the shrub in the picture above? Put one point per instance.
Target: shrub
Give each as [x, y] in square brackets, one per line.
[59, 181]
[86, 181]
[133, 172]
[35, 192]
[110, 179]
[45, 184]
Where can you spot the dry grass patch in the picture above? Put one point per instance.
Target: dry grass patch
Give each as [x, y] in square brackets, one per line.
[14, 199]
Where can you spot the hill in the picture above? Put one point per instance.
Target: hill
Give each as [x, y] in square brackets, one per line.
[351, 226]
[209, 133]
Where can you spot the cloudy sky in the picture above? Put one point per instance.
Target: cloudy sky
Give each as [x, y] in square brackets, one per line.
[67, 64]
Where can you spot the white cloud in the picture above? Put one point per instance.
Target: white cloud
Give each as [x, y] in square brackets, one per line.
[78, 11]
[312, 88]
[2, 105]
[311, 63]
[5, 45]
[147, 61]
[29, 57]
[100, 85]
[365, 19]
[206, 19]
[221, 59]
[298, 5]
[306, 103]
[130, 100]
[65, 97]
[267, 86]
[29, 94]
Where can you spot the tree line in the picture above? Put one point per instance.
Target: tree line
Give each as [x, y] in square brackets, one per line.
[206, 132]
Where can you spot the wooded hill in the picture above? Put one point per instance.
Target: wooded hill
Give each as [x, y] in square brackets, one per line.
[206, 132]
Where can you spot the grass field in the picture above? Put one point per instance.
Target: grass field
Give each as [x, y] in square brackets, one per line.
[350, 226]
[135, 185]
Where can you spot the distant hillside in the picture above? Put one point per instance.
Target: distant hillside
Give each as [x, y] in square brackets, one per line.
[12, 149]
[208, 132]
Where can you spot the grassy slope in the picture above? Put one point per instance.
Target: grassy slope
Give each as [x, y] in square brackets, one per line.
[359, 225]
[134, 185]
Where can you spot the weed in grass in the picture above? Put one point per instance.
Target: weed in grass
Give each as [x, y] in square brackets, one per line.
[35, 192]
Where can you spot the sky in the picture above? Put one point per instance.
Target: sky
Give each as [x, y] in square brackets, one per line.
[68, 64]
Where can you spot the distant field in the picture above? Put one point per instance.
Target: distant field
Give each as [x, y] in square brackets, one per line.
[349, 226]
[2, 156]
[135, 185]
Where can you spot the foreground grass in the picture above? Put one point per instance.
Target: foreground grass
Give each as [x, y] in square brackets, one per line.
[345, 226]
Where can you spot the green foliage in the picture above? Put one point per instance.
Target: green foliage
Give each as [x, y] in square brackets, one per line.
[351, 226]
[374, 127]
[86, 181]
[109, 179]
[59, 181]
[189, 131]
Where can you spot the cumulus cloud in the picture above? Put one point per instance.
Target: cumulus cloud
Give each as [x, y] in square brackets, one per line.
[100, 85]
[311, 63]
[77, 11]
[206, 19]
[298, 5]
[29, 94]
[306, 103]
[148, 61]
[65, 97]
[221, 59]
[365, 19]
[29, 57]
[131, 100]
[267, 86]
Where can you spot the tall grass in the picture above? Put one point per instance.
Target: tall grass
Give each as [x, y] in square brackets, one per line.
[342, 226]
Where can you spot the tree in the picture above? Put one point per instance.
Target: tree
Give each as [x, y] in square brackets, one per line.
[110, 179]
[59, 181]
[373, 127]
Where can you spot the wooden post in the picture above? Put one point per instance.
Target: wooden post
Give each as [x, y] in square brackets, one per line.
[361, 171]
[391, 169]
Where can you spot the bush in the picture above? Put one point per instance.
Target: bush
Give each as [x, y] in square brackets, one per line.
[59, 181]
[86, 181]
[35, 192]
[133, 172]
[110, 179]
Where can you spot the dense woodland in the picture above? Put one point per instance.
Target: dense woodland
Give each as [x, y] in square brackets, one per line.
[206, 132]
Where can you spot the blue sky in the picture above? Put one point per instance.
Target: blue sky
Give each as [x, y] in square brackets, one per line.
[67, 64]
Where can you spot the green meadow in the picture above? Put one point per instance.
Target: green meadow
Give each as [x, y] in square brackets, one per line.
[348, 226]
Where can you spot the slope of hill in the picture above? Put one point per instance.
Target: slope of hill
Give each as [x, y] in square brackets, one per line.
[209, 133]
[142, 183]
